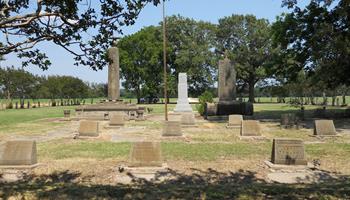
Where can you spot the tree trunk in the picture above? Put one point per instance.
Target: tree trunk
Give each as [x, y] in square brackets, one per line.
[333, 100]
[344, 100]
[251, 89]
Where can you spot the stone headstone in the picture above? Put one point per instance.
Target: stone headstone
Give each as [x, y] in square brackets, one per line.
[250, 128]
[235, 120]
[188, 119]
[117, 120]
[288, 120]
[227, 80]
[288, 152]
[183, 105]
[113, 73]
[172, 128]
[88, 129]
[146, 154]
[324, 128]
[19, 152]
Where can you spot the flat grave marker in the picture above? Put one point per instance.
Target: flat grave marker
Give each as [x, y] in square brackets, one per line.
[18, 152]
[146, 154]
[89, 129]
[172, 128]
[117, 120]
[250, 128]
[288, 152]
[324, 128]
[187, 119]
[234, 121]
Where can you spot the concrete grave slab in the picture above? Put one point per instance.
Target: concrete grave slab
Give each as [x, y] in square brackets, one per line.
[146, 154]
[18, 153]
[89, 129]
[234, 121]
[288, 152]
[250, 128]
[188, 120]
[172, 128]
[117, 120]
[324, 128]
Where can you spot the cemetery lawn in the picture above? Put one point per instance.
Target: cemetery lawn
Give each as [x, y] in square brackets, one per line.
[210, 162]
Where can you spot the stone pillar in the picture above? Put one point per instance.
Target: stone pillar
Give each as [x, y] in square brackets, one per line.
[183, 104]
[227, 80]
[113, 73]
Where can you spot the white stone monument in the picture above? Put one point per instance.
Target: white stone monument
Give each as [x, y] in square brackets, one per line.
[183, 105]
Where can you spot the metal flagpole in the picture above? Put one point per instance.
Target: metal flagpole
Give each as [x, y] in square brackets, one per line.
[165, 64]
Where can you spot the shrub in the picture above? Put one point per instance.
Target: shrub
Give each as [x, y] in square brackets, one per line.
[206, 97]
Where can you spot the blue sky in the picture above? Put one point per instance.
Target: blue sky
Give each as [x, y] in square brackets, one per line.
[206, 10]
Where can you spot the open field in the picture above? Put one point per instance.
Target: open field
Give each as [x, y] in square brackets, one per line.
[210, 162]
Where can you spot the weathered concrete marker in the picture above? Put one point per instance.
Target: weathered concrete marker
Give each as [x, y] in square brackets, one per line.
[89, 129]
[324, 128]
[18, 152]
[288, 152]
[146, 154]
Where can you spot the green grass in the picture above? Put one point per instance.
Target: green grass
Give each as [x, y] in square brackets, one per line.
[63, 149]
[59, 149]
[15, 116]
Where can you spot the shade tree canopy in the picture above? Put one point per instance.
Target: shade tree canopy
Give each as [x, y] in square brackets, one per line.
[82, 27]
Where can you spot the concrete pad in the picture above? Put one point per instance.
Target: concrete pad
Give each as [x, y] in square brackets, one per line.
[89, 129]
[172, 128]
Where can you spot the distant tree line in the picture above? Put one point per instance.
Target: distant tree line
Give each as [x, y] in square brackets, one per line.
[20, 84]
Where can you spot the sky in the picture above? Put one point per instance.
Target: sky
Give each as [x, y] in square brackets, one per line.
[206, 10]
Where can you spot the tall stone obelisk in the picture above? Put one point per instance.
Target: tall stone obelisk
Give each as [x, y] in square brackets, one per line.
[113, 73]
[227, 80]
[183, 105]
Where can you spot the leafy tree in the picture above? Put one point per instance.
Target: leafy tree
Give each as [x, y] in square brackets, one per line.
[141, 62]
[191, 45]
[315, 39]
[83, 28]
[98, 90]
[17, 83]
[248, 43]
[65, 87]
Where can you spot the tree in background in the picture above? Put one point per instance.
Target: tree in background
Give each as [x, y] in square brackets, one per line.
[141, 62]
[17, 83]
[191, 50]
[83, 28]
[315, 39]
[248, 42]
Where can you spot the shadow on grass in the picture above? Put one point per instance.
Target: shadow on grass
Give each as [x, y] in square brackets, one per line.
[209, 184]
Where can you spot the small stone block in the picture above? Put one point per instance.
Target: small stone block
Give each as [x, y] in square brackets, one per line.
[172, 128]
[324, 128]
[146, 154]
[188, 119]
[18, 152]
[117, 120]
[250, 128]
[88, 129]
[288, 152]
[235, 120]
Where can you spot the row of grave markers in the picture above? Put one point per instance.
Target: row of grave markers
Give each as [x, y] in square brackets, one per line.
[284, 151]
[16, 154]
